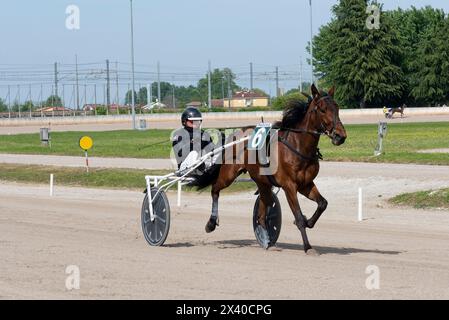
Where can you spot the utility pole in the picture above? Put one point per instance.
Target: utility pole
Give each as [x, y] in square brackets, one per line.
[132, 65]
[174, 101]
[9, 102]
[77, 84]
[277, 82]
[108, 86]
[56, 79]
[85, 98]
[251, 76]
[209, 87]
[41, 102]
[222, 89]
[117, 88]
[63, 100]
[229, 90]
[30, 101]
[158, 82]
[149, 94]
[300, 76]
[18, 93]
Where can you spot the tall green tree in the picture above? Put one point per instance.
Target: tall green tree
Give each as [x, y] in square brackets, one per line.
[220, 80]
[430, 84]
[415, 27]
[53, 101]
[363, 63]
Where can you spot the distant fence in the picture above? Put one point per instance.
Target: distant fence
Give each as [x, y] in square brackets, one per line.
[82, 117]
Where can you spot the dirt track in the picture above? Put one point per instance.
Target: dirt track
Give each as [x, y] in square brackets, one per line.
[99, 230]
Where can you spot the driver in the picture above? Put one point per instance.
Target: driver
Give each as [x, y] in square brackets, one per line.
[191, 142]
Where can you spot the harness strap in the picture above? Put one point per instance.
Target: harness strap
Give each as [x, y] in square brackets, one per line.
[273, 181]
[317, 156]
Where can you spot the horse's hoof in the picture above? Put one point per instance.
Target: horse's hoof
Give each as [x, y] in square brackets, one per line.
[211, 225]
[312, 253]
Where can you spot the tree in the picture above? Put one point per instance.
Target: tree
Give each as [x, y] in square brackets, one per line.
[141, 96]
[415, 26]
[27, 106]
[364, 64]
[431, 83]
[53, 101]
[219, 84]
[128, 98]
[279, 103]
[3, 106]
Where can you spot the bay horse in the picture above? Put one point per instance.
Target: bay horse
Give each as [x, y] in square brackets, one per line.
[298, 162]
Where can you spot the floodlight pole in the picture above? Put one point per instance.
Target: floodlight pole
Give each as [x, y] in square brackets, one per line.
[311, 40]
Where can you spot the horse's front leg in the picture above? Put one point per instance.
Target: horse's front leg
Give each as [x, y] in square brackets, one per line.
[311, 192]
[300, 220]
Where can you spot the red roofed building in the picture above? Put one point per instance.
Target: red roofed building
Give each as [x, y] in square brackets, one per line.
[243, 99]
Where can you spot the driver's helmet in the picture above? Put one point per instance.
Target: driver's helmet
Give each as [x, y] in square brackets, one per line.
[191, 114]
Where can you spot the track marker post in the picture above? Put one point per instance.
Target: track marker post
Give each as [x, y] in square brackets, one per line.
[86, 143]
[51, 184]
[360, 212]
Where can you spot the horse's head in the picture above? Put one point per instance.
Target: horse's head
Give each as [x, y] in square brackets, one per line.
[325, 113]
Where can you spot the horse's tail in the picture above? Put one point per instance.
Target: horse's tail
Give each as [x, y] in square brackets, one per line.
[207, 178]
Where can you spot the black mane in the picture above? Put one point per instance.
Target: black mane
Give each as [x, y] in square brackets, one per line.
[295, 111]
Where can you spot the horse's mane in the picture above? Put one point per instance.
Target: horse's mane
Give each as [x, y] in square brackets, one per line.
[295, 111]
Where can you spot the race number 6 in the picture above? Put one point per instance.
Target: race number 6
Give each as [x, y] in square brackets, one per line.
[258, 138]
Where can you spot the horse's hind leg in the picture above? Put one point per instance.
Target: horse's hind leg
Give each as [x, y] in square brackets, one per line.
[300, 220]
[227, 175]
[312, 193]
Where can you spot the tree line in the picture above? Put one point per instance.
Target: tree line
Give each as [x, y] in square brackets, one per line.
[405, 59]
[222, 84]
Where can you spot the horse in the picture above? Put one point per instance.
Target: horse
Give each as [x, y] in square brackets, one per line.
[298, 156]
[392, 111]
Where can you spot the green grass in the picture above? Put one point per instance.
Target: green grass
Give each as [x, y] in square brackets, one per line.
[400, 145]
[424, 199]
[96, 178]
[132, 144]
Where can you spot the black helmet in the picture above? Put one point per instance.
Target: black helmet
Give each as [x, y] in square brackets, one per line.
[191, 114]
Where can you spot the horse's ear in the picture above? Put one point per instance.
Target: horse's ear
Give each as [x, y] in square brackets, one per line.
[305, 95]
[331, 91]
[315, 92]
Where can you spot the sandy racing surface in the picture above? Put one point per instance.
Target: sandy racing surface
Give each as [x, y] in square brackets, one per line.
[99, 231]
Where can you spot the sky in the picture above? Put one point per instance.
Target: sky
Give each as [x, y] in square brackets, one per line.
[182, 35]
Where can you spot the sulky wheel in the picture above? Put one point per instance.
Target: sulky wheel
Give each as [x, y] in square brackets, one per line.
[273, 222]
[156, 231]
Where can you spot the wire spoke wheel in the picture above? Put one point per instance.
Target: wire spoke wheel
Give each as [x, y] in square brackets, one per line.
[273, 221]
[156, 231]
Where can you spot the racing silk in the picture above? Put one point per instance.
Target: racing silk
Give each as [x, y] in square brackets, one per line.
[185, 140]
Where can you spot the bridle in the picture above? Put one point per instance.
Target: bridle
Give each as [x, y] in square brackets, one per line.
[323, 131]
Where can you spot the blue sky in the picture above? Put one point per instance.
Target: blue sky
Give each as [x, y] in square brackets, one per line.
[182, 35]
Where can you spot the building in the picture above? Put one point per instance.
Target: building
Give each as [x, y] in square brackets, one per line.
[194, 104]
[244, 99]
